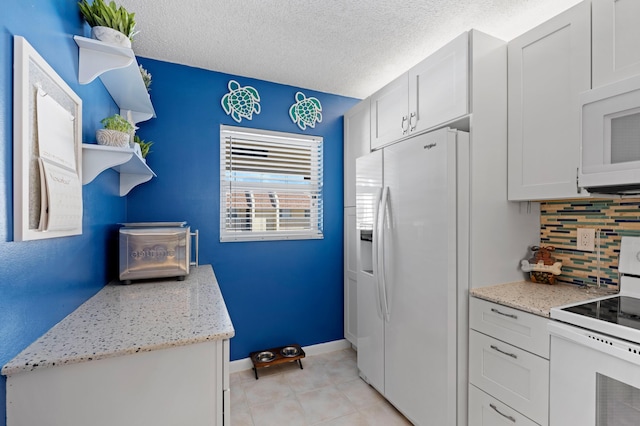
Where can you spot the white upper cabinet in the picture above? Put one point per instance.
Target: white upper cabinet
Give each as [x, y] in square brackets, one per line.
[357, 142]
[439, 86]
[547, 69]
[433, 92]
[389, 112]
[616, 40]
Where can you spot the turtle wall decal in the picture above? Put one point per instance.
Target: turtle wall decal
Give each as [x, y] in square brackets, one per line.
[306, 111]
[241, 101]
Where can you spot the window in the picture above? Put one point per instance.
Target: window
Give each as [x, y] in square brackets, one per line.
[270, 185]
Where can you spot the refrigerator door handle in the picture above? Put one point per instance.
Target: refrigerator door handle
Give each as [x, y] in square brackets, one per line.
[375, 244]
[382, 281]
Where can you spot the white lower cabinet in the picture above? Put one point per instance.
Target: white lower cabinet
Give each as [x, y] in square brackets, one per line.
[503, 364]
[485, 410]
[181, 385]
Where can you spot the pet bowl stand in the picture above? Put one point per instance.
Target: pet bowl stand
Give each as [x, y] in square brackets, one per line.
[278, 358]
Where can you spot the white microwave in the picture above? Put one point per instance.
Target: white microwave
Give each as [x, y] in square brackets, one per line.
[610, 148]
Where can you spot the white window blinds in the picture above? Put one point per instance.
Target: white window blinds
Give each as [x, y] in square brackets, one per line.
[270, 185]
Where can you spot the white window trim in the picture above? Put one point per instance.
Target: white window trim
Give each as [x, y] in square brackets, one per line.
[266, 136]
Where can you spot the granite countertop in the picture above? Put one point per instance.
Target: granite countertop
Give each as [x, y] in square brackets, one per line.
[125, 319]
[533, 297]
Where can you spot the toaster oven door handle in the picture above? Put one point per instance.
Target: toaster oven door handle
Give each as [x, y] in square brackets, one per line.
[196, 236]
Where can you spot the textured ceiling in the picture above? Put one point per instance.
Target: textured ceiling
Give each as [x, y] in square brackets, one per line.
[345, 47]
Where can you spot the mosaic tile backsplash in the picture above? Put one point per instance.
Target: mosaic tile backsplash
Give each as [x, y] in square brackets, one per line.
[612, 219]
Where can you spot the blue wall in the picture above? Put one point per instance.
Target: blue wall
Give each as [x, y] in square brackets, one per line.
[43, 281]
[277, 292]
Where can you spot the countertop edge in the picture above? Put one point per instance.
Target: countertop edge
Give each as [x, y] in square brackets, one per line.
[25, 360]
[520, 307]
[534, 298]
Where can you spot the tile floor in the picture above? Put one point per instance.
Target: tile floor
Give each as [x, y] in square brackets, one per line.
[326, 392]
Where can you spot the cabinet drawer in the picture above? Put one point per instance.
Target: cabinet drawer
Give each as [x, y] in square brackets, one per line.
[513, 376]
[485, 410]
[521, 329]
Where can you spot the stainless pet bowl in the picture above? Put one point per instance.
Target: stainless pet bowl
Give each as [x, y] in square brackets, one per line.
[289, 351]
[265, 356]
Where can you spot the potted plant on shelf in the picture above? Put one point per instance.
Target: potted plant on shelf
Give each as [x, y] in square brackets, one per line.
[117, 131]
[109, 23]
[146, 77]
[144, 146]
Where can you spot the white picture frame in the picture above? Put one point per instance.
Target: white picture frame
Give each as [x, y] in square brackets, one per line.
[32, 72]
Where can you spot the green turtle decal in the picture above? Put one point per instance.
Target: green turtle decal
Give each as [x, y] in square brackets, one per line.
[241, 101]
[306, 111]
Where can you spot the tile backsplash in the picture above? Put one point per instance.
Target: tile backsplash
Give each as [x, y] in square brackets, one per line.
[612, 219]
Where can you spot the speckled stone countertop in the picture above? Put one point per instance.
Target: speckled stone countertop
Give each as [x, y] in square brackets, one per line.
[125, 319]
[533, 297]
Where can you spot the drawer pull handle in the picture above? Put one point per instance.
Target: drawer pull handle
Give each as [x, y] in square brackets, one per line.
[503, 314]
[495, 348]
[502, 414]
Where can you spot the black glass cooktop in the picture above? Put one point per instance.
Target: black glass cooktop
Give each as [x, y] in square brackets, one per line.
[623, 310]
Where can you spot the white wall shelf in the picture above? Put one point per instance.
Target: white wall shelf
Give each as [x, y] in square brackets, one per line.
[98, 158]
[118, 69]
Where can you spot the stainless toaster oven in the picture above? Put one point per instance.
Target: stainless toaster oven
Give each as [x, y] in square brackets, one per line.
[156, 250]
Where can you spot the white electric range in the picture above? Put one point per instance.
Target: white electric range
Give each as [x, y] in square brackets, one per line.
[595, 353]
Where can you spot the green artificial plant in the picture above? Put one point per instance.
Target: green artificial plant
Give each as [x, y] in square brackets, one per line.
[146, 77]
[109, 15]
[117, 122]
[144, 145]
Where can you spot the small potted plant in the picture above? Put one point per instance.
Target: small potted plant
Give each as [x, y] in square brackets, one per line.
[146, 77]
[109, 23]
[144, 146]
[117, 131]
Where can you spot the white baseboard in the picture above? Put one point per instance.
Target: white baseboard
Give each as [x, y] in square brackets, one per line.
[321, 348]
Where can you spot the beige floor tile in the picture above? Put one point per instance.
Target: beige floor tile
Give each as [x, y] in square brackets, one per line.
[327, 391]
[383, 415]
[241, 417]
[353, 419]
[241, 376]
[342, 370]
[324, 404]
[360, 393]
[312, 377]
[238, 397]
[284, 412]
[267, 389]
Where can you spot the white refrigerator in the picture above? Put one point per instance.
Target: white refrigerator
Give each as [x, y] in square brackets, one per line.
[412, 207]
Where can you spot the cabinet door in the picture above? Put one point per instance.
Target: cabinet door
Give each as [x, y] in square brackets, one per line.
[548, 67]
[616, 40]
[389, 118]
[513, 376]
[439, 86]
[350, 276]
[485, 410]
[357, 142]
[180, 385]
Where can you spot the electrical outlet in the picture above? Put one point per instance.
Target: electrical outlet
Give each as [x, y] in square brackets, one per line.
[586, 239]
